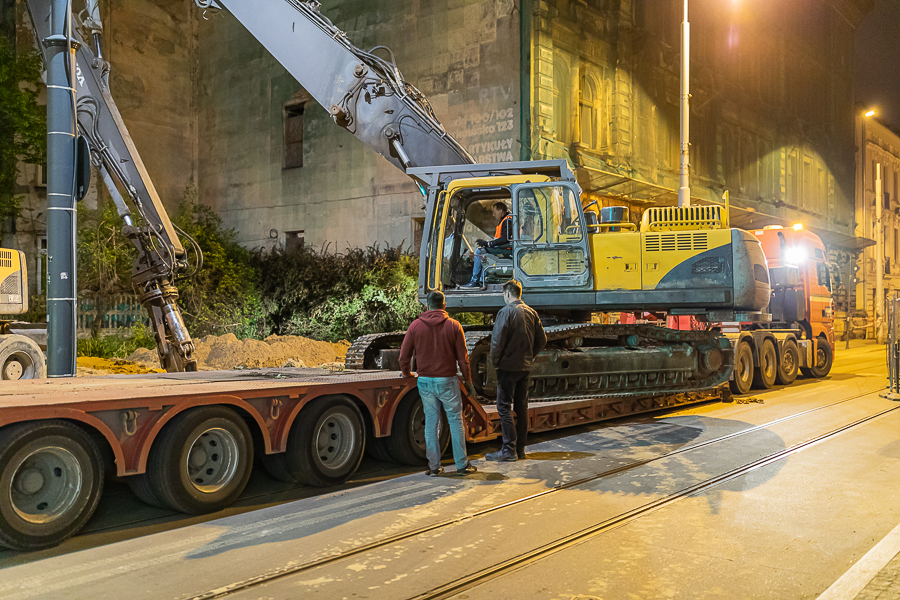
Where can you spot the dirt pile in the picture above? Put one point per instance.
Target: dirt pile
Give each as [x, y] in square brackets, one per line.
[228, 352]
[90, 366]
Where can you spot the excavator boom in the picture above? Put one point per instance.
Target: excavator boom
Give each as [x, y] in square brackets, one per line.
[364, 92]
[161, 256]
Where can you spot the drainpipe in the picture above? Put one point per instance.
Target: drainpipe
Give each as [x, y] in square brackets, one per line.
[61, 215]
[525, 82]
[879, 258]
[684, 188]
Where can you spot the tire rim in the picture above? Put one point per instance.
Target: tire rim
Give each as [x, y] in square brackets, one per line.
[212, 460]
[417, 426]
[45, 485]
[17, 365]
[745, 370]
[788, 362]
[336, 441]
[769, 360]
[820, 358]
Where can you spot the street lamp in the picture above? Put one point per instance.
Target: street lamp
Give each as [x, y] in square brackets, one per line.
[862, 193]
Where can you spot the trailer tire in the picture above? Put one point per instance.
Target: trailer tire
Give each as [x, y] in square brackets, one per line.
[789, 365]
[21, 358]
[50, 484]
[326, 443]
[824, 358]
[406, 443]
[742, 377]
[767, 370]
[200, 463]
[376, 447]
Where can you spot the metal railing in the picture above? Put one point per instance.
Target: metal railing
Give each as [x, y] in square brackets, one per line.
[892, 346]
[125, 312]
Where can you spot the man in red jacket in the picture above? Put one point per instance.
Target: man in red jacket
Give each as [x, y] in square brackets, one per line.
[439, 345]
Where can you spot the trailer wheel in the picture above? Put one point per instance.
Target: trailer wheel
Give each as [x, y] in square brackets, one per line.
[824, 358]
[50, 483]
[789, 364]
[376, 447]
[764, 375]
[742, 377]
[21, 358]
[201, 461]
[326, 442]
[406, 443]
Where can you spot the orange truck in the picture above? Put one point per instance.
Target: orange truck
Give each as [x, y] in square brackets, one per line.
[800, 336]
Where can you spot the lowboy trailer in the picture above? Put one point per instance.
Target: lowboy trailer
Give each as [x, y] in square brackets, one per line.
[187, 441]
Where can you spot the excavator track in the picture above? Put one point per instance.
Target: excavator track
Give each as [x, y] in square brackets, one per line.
[590, 360]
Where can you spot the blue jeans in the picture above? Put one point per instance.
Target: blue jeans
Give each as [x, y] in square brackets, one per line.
[481, 257]
[434, 392]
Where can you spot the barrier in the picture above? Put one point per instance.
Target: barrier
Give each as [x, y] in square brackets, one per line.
[892, 347]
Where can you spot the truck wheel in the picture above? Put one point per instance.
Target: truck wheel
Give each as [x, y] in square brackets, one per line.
[742, 377]
[824, 358]
[376, 447]
[200, 463]
[21, 358]
[789, 364]
[50, 483]
[406, 443]
[764, 375]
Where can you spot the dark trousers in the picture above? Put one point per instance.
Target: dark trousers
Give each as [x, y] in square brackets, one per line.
[512, 393]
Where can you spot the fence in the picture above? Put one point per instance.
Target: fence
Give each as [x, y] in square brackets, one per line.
[125, 312]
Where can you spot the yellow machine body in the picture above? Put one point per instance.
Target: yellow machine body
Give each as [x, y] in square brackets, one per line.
[13, 282]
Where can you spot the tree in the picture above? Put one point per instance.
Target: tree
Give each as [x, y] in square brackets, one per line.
[104, 259]
[23, 122]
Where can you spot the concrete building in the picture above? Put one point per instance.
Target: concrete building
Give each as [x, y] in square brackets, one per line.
[593, 81]
[878, 145]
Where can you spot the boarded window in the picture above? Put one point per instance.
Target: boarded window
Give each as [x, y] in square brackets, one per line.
[293, 136]
[293, 240]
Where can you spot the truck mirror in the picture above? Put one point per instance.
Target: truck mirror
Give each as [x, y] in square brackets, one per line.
[82, 168]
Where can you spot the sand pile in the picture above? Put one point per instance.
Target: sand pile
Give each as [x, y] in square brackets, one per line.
[89, 366]
[228, 352]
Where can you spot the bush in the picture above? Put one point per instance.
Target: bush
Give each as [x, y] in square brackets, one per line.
[117, 345]
[339, 296]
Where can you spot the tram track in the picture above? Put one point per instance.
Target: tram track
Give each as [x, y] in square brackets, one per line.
[552, 547]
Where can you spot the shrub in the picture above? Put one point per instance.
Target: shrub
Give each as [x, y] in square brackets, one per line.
[119, 344]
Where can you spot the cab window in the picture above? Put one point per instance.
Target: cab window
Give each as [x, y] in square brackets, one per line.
[823, 275]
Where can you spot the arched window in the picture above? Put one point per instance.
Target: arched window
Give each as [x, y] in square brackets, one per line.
[587, 109]
[561, 93]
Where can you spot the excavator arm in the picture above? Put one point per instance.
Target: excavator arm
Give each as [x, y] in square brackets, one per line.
[161, 256]
[364, 92]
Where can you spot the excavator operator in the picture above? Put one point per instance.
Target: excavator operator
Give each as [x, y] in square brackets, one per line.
[500, 246]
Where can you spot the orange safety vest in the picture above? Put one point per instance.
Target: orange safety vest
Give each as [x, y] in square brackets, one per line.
[499, 231]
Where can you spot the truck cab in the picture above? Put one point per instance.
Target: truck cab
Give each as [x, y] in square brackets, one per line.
[790, 248]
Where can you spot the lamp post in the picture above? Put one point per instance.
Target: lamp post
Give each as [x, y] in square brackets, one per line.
[684, 187]
[879, 257]
[862, 203]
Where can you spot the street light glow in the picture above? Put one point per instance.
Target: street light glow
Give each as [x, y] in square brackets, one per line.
[870, 113]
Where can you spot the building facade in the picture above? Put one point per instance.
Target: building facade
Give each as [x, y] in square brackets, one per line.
[592, 81]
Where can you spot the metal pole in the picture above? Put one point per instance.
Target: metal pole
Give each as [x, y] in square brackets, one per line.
[61, 296]
[684, 189]
[879, 258]
[865, 220]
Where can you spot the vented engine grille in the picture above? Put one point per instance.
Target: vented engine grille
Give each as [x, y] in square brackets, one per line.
[670, 242]
[6, 259]
[704, 266]
[10, 285]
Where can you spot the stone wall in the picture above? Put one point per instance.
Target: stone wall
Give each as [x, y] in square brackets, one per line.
[462, 54]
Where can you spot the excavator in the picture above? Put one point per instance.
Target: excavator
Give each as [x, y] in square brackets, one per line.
[573, 257]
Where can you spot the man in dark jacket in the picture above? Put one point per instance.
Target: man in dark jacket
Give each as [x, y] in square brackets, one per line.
[439, 345]
[517, 338]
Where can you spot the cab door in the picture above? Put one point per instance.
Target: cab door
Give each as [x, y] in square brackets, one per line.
[550, 242]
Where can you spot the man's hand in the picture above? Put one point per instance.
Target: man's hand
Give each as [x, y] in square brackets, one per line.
[481, 243]
[470, 389]
[406, 373]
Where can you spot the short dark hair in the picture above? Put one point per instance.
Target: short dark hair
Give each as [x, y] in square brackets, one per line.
[501, 206]
[435, 300]
[513, 287]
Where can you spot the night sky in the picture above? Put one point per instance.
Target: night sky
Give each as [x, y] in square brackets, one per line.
[877, 62]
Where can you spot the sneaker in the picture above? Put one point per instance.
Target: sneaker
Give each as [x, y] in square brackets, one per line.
[471, 286]
[500, 456]
[434, 472]
[467, 470]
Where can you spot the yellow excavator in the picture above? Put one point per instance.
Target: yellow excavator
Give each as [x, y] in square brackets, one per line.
[20, 356]
[575, 258]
